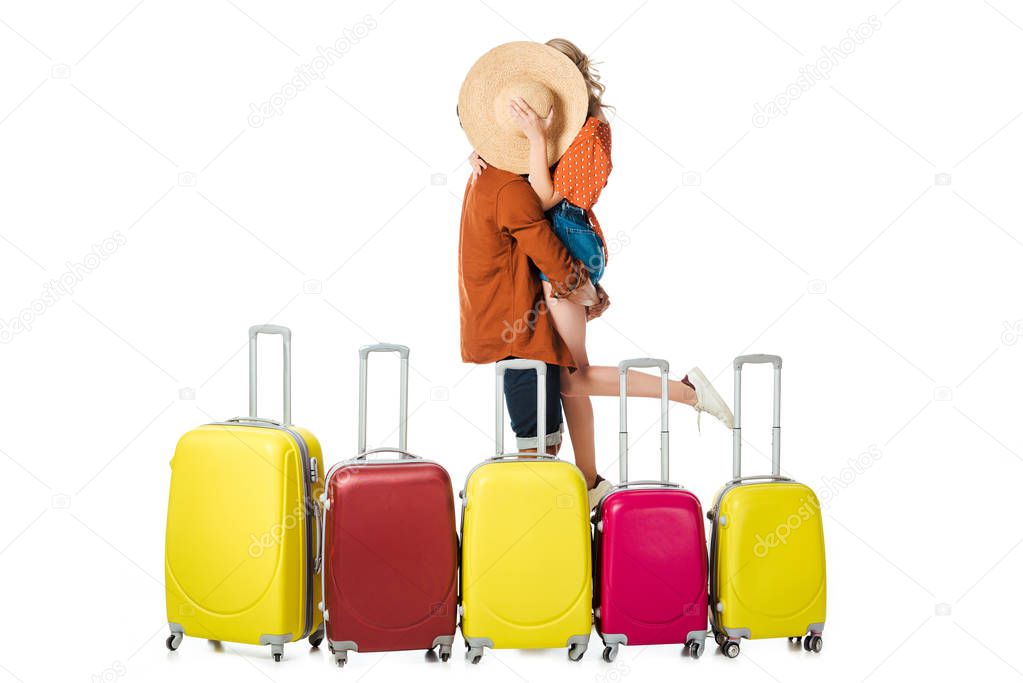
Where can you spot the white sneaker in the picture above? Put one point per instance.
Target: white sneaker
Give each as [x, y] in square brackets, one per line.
[599, 491]
[708, 400]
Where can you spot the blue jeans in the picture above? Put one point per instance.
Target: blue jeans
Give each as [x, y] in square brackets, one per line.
[520, 395]
[572, 226]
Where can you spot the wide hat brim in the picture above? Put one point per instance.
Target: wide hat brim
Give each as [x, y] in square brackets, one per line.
[543, 77]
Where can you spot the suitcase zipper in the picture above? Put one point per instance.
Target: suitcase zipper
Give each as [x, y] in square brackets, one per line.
[310, 505]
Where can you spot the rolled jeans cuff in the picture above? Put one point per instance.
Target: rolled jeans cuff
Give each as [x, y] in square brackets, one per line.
[524, 443]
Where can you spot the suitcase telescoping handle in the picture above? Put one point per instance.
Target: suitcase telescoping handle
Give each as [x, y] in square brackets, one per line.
[541, 402]
[403, 353]
[757, 358]
[285, 333]
[623, 420]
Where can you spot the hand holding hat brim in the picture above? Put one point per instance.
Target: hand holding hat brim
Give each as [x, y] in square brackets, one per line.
[529, 122]
[545, 80]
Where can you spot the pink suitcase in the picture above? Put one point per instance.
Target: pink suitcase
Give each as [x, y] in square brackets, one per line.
[651, 551]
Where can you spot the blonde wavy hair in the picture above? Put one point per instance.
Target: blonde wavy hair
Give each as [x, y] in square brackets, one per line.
[587, 69]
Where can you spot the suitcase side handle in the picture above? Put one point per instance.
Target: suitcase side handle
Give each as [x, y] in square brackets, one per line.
[541, 401]
[760, 477]
[318, 557]
[403, 455]
[526, 457]
[737, 364]
[623, 420]
[256, 420]
[285, 333]
[403, 353]
[647, 484]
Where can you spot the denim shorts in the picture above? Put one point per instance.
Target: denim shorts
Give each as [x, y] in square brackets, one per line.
[572, 226]
[520, 395]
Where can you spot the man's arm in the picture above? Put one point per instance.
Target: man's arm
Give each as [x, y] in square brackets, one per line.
[519, 211]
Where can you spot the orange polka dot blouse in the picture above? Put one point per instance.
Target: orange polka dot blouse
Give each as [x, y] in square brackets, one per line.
[582, 171]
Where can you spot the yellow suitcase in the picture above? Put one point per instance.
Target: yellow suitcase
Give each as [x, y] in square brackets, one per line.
[243, 527]
[526, 566]
[768, 576]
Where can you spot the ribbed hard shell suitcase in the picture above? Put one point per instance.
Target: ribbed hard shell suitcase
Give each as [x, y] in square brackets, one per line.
[768, 577]
[526, 566]
[242, 553]
[391, 550]
[651, 550]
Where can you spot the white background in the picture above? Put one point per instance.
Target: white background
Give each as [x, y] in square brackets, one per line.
[827, 236]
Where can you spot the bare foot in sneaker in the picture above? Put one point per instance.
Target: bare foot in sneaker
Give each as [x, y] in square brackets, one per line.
[601, 488]
[708, 400]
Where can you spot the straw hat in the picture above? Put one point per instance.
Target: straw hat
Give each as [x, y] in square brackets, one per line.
[539, 74]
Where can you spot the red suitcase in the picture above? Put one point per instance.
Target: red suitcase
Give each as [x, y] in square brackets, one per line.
[651, 551]
[390, 546]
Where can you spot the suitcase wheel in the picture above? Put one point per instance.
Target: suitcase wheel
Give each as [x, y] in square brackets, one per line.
[444, 652]
[576, 651]
[720, 638]
[277, 650]
[695, 648]
[474, 655]
[341, 657]
[610, 652]
[731, 649]
[173, 641]
[813, 643]
[316, 637]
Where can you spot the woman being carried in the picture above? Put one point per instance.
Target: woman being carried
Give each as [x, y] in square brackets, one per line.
[568, 193]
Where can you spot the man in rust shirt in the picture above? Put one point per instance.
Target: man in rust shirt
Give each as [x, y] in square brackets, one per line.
[504, 240]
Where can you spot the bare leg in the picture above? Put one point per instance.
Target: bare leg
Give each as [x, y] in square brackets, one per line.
[595, 380]
[598, 380]
[579, 414]
[602, 380]
[570, 322]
